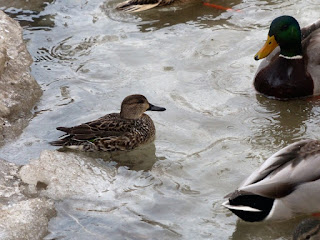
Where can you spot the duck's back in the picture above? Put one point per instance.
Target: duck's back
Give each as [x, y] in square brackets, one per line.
[109, 133]
[311, 47]
[132, 133]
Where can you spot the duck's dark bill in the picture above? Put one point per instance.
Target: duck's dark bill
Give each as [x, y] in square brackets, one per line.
[155, 108]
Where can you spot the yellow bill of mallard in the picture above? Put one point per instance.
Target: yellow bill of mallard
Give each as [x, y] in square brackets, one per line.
[267, 48]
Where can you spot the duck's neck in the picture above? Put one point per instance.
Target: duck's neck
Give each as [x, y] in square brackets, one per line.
[291, 58]
[291, 51]
[130, 115]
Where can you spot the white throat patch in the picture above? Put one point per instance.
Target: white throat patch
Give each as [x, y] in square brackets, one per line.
[294, 57]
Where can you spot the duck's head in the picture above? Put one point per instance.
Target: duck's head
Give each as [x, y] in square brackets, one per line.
[284, 32]
[307, 229]
[134, 106]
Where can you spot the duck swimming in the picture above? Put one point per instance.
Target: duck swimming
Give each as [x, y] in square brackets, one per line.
[285, 185]
[142, 5]
[115, 131]
[294, 71]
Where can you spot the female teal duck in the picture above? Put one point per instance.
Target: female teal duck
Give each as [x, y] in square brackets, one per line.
[308, 229]
[286, 184]
[115, 131]
[142, 5]
[295, 72]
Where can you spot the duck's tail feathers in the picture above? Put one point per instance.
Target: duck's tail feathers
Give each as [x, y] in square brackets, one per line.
[63, 140]
[249, 207]
[59, 142]
[137, 5]
[63, 129]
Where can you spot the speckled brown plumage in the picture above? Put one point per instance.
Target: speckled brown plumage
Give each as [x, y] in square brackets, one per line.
[114, 132]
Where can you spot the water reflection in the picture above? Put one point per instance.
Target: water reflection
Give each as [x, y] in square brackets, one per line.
[28, 13]
[142, 158]
[35, 5]
[202, 66]
[265, 230]
[193, 13]
[285, 121]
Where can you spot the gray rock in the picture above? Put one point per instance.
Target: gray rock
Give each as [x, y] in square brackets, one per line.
[27, 219]
[65, 175]
[22, 216]
[19, 91]
[10, 184]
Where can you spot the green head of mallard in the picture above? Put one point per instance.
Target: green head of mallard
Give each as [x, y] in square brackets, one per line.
[133, 106]
[284, 32]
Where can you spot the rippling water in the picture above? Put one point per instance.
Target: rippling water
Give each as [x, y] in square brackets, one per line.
[194, 60]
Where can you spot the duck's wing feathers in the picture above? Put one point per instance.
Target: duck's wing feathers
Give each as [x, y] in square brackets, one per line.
[138, 5]
[109, 125]
[284, 171]
[311, 48]
[307, 30]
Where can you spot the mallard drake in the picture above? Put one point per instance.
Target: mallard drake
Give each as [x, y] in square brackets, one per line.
[142, 5]
[307, 229]
[294, 71]
[286, 184]
[115, 131]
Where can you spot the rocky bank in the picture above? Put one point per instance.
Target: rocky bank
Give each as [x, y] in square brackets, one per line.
[19, 91]
[23, 215]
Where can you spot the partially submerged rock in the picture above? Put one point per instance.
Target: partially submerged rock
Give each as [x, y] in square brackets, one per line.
[22, 216]
[66, 175]
[27, 219]
[10, 184]
[19, 91]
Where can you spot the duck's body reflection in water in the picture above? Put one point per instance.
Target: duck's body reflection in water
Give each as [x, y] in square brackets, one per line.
[141, 158]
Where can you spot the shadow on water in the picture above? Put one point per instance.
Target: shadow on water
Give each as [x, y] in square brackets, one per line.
[194, 13]
[142, 158]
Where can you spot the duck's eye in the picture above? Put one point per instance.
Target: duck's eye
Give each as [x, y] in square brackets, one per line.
[284, 27]
[308, 237]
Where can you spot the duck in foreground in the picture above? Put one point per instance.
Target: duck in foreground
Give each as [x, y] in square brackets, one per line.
[142, 5]
[295, 71]
[115, 131]
[307, 229]
[285, 185]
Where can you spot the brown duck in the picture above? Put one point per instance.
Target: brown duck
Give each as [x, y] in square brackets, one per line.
[115, 131]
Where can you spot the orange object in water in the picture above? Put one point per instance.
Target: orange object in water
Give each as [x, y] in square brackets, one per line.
[219, 7]
[316, 214]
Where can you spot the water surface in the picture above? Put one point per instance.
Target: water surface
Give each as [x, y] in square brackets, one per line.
[194, 60]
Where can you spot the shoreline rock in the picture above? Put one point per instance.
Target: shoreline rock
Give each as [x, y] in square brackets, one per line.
[22, 216]
[19, 91]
